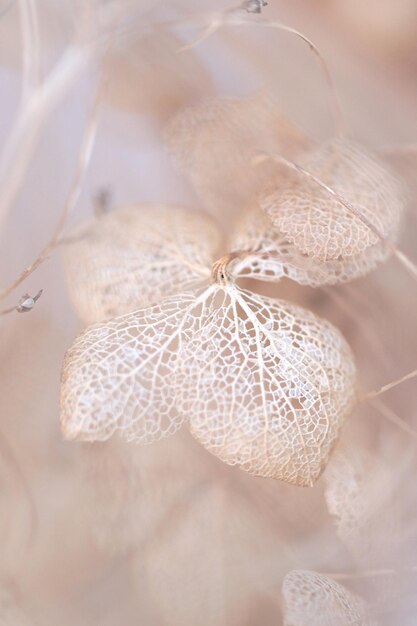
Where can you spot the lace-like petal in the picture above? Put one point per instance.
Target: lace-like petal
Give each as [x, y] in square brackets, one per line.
[214, 143]
[311, 599]
[118, 375]
[359, 487]
[277, 258]
[266, 385]
[317, 223]
[137, 256]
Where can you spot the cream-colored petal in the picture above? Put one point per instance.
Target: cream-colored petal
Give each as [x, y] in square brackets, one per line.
[266, 385]
[135, 257]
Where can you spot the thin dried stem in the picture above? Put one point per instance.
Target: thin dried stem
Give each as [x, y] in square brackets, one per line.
[31, 47]
[7, 311]
[82, 166]
[35, 110]
[370, 573]
[233, 18]
[391, 385]
[26, 303]
[21, 143]
[404, 260]
[392, 417]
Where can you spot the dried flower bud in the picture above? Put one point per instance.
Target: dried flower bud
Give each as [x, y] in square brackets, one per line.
[27, 302]
[255, 6]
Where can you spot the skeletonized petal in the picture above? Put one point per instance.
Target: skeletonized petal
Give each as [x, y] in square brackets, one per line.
[316, 222]
[311, 599]
[266, 385]
[275, 257]
[359, 486]
[118, 375]
[135, 257]
[214, 143]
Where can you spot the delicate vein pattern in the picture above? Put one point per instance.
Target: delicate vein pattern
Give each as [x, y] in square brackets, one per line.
[275, 257]
[213, 144]
[137, 256]
[358, 487]
[266, 385]
[311, 599]
[118, 375]
[316, 222]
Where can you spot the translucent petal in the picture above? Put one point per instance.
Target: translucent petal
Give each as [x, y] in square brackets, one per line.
[316, 222]
[359, 487]
[214, 143]
[135, 257]
[266, 385]
[277, 258]
[118, 375]
[311, 599]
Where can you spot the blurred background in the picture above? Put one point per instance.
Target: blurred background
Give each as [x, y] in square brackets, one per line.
[166, 535]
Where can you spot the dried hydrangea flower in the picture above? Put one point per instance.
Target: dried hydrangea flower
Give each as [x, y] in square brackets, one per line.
[312, 599]
[136, 256]
[317, 239]
[266, 385]
[316, 222]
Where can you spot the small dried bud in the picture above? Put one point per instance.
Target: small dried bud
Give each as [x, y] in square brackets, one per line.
[254, 6]
[27, 302]
[102, 201]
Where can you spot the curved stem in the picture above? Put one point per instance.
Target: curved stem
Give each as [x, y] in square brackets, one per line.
[31, 48]
[392, 417]
[86, 149]
[229, 18]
